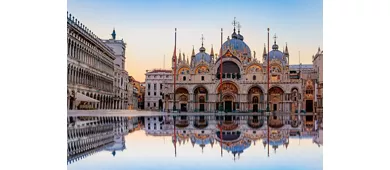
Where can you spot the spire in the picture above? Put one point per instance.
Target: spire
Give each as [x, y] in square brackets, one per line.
[286, 51]
[179, 56]
[174, 53]
[184, 58]
[202, 49]
[193, 51]
[113, 34]
[187, 60]
[234, 23]
[212, 50]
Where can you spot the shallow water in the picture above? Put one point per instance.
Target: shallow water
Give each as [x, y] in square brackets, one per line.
[189, 142]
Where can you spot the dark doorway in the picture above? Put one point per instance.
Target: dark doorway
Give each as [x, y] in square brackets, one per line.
[183, 107]
[255, 108]
[229, 118]
[201, 107]
[228, 106]
[309, 105]
[275, 107]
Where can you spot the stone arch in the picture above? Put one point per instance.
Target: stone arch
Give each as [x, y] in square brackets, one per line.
[294, 87]
[255, 85]
[253, 69]
[184, 70]
[202, 69]
[228, 82]
[181, 89]
[230, 59]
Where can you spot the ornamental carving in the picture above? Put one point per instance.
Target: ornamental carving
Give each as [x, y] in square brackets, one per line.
[275, 90]
[254, 69]
[227, 97]
[184, 70]
[254, 90]
[228, 87]
[202, 70]
[183, 98]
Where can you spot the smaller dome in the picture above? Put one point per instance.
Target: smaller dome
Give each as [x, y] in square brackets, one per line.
[275, 46]
[234, 35]
[202, 55]
[240, 37]
[202, 49]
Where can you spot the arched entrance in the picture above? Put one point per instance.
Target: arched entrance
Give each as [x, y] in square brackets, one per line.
[229, 95]
[201, 97]
[276, 97]
[255, 97]
[182, 95]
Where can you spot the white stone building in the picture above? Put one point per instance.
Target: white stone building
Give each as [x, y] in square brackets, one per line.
[90, 73]
[154, 81]
[120, 74]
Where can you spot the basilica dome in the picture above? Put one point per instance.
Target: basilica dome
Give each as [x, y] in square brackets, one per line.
[276, 54]
[202, 55]
[236, 46]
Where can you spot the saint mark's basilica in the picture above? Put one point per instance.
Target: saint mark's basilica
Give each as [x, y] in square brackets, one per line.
[244, 85]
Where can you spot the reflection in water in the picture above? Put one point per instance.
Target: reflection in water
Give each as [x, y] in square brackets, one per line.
[88, 135]
[233, 134]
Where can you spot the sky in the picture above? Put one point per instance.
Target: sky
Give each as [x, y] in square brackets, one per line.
[148, 27]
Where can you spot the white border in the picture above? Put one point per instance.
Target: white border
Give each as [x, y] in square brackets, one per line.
[356, 36]
[33, 100]
[33, 84]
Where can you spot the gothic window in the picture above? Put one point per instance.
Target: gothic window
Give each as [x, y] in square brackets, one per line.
[254, 77]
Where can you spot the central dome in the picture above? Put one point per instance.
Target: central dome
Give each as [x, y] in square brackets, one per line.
[237, 47]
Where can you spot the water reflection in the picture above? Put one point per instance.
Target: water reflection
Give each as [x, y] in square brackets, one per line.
[233, 134]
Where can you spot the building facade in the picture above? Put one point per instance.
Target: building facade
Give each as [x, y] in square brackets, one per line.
[90, 75]
[318, 66]
[120, 74]
[154, 81]
[243, 87]
[136, 95]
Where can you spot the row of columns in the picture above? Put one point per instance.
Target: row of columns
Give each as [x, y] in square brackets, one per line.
[106, 102]
[84, 76]
[82, 51]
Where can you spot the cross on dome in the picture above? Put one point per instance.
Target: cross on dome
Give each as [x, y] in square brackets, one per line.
[275, 37]
[202, 39]
[234, 23]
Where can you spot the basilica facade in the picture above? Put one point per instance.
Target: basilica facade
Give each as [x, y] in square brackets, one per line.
[198, 86]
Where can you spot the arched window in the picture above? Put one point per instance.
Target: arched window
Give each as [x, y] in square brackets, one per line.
[255, 99]
[184, 78]
[202, 78]
[254, 77]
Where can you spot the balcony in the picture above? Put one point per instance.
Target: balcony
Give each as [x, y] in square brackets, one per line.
[229, 76]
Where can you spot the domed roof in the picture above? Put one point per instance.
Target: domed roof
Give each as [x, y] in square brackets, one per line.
[276, 54]
[202, 55]
[237, 47]
[237, 147]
